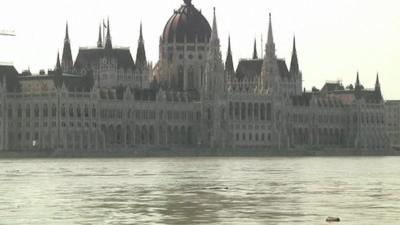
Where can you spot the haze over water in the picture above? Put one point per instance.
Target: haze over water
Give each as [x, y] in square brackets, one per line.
[360, 191]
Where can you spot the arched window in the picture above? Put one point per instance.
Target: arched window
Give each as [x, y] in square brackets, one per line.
[180, 78]
[63, 111]
[262, 111]
[36, 111]
[27, 111]
[54, 111]
[45, 111]
[243, 111]
[71, 111]
[256, 112]
[86, 111]
[201, 75]
[269, 112]
[355, 119]
[250, 111]
[78, 111]
[19, 111]
[94, 112]
[209, 115]
[231, 110]
[191, 83]
[237, 111]
[10, 111]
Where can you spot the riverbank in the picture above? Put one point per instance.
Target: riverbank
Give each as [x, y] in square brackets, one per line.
[197, 152]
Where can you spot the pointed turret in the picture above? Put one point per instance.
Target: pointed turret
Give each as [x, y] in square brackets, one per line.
[255, 54]
[58, 64]
[294, 65]
[214, 75]
[270, 71]
[100, 40]
[58, 73]
[377, 83]
[378, 87]
[141, 60]
[270, 47]
[358, 80]
[229, 61]
[358, 88]
[108, 44]
[214, 32]
[66, 32]
[67, 62]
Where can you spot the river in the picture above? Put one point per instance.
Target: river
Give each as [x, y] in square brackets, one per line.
[359, 190]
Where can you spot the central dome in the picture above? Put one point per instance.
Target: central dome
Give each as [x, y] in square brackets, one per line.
[187, 21]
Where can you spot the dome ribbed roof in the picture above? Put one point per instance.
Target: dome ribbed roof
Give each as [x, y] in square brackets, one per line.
[187, 21]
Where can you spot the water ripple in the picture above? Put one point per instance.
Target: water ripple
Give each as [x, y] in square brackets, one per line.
[299, 191]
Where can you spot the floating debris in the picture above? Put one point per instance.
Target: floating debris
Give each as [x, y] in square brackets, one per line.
[332, 219]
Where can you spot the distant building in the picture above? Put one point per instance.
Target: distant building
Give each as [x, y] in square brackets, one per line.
[105, 100]
[392, 113]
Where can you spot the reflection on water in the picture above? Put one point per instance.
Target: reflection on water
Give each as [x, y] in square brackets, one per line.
[200, 191]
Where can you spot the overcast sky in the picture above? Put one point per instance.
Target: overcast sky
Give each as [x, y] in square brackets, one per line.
[334, 38]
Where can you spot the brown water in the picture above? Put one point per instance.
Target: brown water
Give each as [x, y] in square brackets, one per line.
[361, 191]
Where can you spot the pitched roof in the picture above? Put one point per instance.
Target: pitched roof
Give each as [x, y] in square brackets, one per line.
[88, 57]
[11, 77]
[249, 69]
[283, 69]
[332, 86]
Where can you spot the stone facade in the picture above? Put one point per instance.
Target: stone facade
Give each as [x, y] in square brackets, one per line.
[105, 101]
[392, 115]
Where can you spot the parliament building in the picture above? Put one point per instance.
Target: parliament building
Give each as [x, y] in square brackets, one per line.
[105, 100]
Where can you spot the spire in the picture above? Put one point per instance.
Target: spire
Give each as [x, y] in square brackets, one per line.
[378, 87]
[58, 72]
[214, 32]
[229, 61]
[270, 47]
[187, 2]
[377, 83]
[141, 32]
[66, 33]
[255, 54]
[66, 61]
[294, 65]
[358, 79]
[270, 32]
[100, 40]
[58, 64]
[141, 60]
[358, 88]
[214, 79]
[108, 38]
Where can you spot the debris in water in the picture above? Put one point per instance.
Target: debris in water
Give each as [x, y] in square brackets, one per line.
[332, 219]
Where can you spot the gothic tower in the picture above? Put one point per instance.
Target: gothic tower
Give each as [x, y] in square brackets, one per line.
[141, 60]
[255, 54]
[295, 70]
[67, 61]
[214, 124]
[100, 39]
[108, 44]
[229, 68]
[269, 71]
[214, 76]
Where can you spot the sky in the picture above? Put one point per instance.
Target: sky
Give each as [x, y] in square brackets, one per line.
[335, 39]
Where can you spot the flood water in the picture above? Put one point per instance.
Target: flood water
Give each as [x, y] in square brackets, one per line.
[361, 191]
